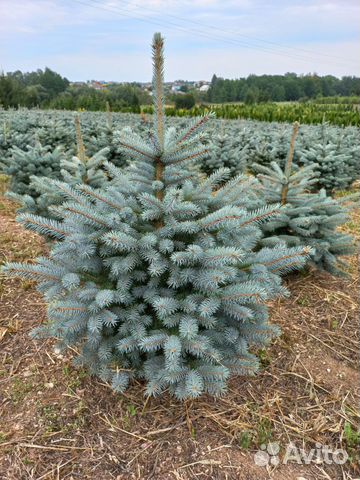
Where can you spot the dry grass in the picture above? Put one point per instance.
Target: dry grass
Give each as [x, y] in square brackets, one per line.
[7, 208]
[58, 423]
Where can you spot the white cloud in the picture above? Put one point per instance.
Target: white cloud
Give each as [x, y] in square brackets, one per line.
[242, 62]
[202, 64]
[104, 43]
[30, 17]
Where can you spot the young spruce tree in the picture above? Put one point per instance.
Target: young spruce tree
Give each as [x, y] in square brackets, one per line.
[155, 276]
[45, 192]
[306, 218]
[34, 160]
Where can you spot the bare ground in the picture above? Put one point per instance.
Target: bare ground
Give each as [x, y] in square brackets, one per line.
[56, 422]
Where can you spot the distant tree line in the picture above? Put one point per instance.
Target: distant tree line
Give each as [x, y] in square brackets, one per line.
[31, 88]
[280, 88]
[120, 97]
[48, 89]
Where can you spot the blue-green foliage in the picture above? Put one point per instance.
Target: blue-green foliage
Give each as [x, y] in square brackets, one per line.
[10, 137]
[158, 274]
[306, 218]
[267, 145]
[50, 192]
[40, 195]
[38, 160]
[335, 149]
[229, 151]
[338, 161]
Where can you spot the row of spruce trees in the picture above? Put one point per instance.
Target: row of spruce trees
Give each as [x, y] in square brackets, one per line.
[236, 145]
[157, 271]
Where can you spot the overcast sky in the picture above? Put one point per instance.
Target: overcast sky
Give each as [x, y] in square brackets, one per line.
[99, 39]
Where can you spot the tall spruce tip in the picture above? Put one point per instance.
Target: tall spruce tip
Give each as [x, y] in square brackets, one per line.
[295, 131]
[158, 86]
[289, 162]
[108, 115]
[81, 153]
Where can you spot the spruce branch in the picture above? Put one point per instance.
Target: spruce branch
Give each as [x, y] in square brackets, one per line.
[68, 192]
[195, 127]
[42, 225]
[63, 309]
[88, 191]
[28, 271]
[191, 156]
[86, 215]
[136, 150]
[306, 251]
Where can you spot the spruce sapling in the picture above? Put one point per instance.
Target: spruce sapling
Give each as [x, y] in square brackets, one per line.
[306, 218]
[158, 275]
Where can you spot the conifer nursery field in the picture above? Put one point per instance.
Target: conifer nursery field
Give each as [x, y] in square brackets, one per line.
[178, 297]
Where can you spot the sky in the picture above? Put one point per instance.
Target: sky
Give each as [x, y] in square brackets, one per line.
[110, 40]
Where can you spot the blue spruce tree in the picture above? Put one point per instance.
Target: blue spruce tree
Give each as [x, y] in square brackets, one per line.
[226, 151]
[21, 165]
[306, 218]
[334, 162]
[45, 192]
[158, 275]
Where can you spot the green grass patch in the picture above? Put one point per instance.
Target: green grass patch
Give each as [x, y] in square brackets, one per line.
[20, 389]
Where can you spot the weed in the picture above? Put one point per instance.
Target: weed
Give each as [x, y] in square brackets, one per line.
[264, 431]
[245, 440]
[264, 357]
[20, 389]
[303, 301]
[334, 324]
[54, 421]
[78, 420]
[352, 440]
[51, 417]
[75, 378]
[351, 436]
[131, 410]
